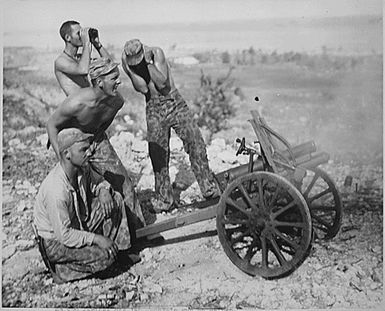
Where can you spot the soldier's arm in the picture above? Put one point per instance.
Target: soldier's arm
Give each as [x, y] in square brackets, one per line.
[61, 119]
[103, 52]
[99, 47]
[158, 69]
[71, 66]
[117, 101]
[137, 81]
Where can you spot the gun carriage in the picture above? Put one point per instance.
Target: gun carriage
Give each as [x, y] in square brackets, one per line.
[271, 209]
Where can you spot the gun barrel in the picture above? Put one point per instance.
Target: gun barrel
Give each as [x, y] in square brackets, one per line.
[298, 151]
[315, 160]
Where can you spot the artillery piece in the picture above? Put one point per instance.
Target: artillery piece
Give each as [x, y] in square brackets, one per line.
[270, 209]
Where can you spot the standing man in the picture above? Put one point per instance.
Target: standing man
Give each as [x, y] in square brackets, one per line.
[165, 109]
[92, 110]
[80, 220]
[71, 69]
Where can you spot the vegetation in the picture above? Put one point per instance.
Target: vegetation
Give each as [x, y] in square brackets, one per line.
[322, 61]
[212, 104]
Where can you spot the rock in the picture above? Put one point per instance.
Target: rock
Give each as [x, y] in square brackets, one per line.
[27, 130]
[15, 142]
[228, 156]
[139, 146]
[377, 275]
[110, 296]
[377, 249]
[42, 139]
[150, 287]
[176, 144]
[21, 207]
[191, 194]
[8, 252]
[206, 134]
[128, 120]
[146, 254]
[173, 171]
[129, 295]
[146, 182]
[120, 128]
[24, 244]
[144, 297]
[147, 168]
[127, 137]
[219, 142]
[122, 144]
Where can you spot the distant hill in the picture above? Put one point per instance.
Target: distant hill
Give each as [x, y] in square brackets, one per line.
[343, 35]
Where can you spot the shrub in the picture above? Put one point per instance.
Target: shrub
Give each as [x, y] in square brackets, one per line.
[212, 105]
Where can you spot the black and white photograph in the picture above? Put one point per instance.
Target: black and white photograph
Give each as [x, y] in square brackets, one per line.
[192, 155]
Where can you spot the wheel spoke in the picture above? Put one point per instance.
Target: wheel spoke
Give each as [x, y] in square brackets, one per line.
[250, 253]
[277, 251]
[321, 221]
[235, 205]
[274, 198]
[292, 243]
[317, 196]
[264, 252]
[289, 224]
[284, 209]
[260, 192]
[246, 197]
[264, 225]
[310, 186]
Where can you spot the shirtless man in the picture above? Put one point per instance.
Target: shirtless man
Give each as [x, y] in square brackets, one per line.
[165, 109]
[71, 69]
[92, 110]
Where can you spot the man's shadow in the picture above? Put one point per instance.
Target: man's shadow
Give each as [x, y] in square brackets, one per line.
[184, 179]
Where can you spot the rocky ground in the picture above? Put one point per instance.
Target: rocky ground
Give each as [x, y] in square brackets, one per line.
[190, 269]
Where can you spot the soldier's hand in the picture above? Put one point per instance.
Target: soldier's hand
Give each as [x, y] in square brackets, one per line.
[149, 56]
[94, 38]
[107, 244]
[106, 202]
[84, 36]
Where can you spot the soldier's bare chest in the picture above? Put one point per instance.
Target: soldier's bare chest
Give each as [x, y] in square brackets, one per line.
[97, 114]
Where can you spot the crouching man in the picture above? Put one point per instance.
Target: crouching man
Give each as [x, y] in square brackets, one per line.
[81, 221]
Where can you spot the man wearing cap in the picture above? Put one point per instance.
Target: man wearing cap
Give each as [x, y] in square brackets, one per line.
[80, 219]
[71, 69]
[92, 110]
[150, 75]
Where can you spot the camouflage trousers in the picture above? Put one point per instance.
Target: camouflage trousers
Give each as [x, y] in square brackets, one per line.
[162, 114]
[77, 263]
[106, 162]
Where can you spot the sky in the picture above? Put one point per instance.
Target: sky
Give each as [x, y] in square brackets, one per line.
[29, 15]
[36, 22]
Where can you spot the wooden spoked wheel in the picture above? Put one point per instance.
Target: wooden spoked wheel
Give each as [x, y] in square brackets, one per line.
[324, 202]
[264, 225]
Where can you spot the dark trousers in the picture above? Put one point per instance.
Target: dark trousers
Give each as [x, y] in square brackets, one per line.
[162, 114]
[78, 263]
[106, 162]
